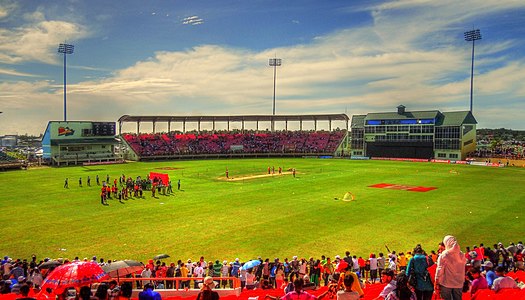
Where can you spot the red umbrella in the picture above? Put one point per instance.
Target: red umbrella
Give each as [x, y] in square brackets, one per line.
[75, 274]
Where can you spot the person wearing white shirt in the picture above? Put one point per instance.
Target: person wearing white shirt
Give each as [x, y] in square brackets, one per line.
[502, 281]
[198, 272]
[373, 267]
[146, 273]
[189, 265]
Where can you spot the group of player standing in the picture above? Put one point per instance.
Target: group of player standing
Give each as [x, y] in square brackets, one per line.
[129, 187]
[272, 171]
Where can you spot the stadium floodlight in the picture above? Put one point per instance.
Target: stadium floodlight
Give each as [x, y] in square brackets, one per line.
[65, 49]
[472, 36]
[274, 62]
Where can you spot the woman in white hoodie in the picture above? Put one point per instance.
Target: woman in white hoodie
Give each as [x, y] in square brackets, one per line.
[450, 272]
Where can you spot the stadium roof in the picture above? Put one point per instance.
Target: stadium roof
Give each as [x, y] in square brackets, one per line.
[239, 118]
[430, 114]
[229, 119]
[455, 118]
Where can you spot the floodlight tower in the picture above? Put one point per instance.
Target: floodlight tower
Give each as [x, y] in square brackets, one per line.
[472, 36]
[65, 49]
[274, 62]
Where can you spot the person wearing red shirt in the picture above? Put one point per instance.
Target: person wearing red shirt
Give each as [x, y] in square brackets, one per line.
[362, 263]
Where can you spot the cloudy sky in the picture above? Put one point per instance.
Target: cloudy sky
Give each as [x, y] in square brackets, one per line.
[209, 57]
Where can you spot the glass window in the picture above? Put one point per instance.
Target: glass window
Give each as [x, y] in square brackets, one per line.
[415, 129]
[391, 128]
[468, 142]
[373, 122]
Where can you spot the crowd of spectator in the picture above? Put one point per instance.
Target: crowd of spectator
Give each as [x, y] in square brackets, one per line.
[481, 268]
[167, 144]
[504, 149]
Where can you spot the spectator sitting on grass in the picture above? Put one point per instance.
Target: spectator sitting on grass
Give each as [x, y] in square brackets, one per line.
[207, 292]
[478, 282]
[347, 293]
[24, 292]
[298, 293]
[502, 281]
[148, 293]
[387, 276]
[402, 291]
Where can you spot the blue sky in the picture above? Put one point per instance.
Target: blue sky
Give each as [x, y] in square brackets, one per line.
[211, 58]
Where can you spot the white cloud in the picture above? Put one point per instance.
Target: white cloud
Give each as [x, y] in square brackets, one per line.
[12, 72]
[193, 20]
[37, 39]
[6, 9]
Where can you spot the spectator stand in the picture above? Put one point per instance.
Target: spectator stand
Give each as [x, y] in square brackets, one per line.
[252, 142]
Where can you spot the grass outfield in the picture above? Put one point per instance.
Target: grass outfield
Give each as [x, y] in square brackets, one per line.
[277, 216]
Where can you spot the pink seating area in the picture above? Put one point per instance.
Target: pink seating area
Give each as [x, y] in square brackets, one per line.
[168, 144]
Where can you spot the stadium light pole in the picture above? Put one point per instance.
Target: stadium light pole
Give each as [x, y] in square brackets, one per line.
[274, 62]
[65, 49]
[472, 36]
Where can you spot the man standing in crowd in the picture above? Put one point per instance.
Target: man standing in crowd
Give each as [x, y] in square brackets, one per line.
[170, 272]
[450, 272]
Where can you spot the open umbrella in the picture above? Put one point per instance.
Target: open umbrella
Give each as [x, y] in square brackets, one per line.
[122, 268]
[50, 264]
[160, 256]
[251, 264]
[75, 274]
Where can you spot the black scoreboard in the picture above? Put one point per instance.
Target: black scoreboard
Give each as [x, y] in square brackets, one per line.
[103, 128]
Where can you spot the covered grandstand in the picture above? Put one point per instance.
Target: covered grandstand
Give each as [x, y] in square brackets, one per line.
[249, 140]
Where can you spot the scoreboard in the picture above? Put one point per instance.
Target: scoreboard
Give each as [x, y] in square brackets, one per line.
[103, 128]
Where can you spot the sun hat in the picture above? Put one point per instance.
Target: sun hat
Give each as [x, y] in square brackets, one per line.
[208, 281]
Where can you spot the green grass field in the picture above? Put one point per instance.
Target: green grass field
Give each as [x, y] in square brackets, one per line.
[277, 216]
